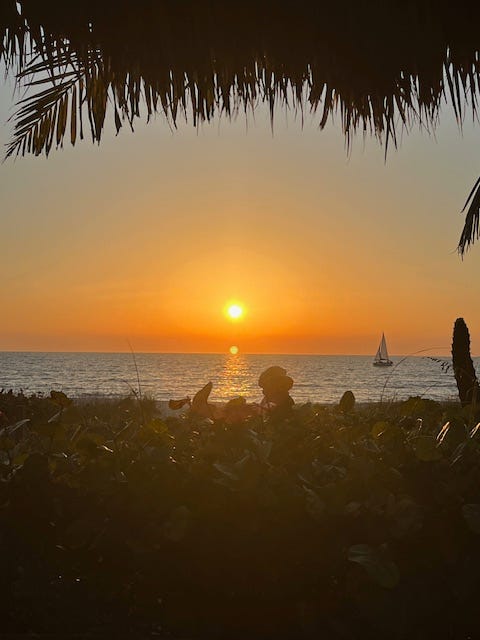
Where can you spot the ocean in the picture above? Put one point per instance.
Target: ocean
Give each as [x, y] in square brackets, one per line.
[169, 375]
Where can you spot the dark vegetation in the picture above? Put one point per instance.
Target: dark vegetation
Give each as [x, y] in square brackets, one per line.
[463, 369]
[335, 522]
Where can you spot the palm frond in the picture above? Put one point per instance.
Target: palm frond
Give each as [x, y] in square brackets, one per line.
[471, 227]
[383, 67]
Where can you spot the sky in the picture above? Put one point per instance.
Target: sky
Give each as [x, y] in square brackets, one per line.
[142, 241]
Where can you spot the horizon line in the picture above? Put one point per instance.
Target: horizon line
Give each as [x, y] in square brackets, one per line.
[219, 353]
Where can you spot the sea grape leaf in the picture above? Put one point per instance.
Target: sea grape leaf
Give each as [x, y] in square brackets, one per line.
[18, 425]
[262, 449]
[226, 471]
[378, 428]
[385, 431]
[8, 431]
[471, 513]
[425, 448]
[60, 398]
[125, 432]
[414, 406]
[175, 405]
[104, 449]
[457, 455]
[56, 417]
[475, 430]
[381, 569]
[443, 432]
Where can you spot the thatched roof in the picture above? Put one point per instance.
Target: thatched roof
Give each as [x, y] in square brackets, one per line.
[383, 65]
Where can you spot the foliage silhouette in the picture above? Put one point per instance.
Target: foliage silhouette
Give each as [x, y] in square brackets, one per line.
[381, 66]
[463, 369]
[117, 520]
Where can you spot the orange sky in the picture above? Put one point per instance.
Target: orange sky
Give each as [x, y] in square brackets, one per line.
[144, 240]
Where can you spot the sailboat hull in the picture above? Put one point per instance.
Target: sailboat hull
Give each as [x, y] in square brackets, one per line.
[383, 363]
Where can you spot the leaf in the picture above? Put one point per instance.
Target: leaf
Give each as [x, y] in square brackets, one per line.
[78, 431]
[58, 397]
[413, 406]
[73, 116]
[18, 425]
[262, 449]
[378, 428]
[457, 455]
[118, 122]
[471, 513]
[226, 471]
[382, 570]
[475, 430]
[425, 448]
[385, 432]
[104, 449]
[471, 225]
[56, 417]
[175, 405]
[443, 432]
[126, 432]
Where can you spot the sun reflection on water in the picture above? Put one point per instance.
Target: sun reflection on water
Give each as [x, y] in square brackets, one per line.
[235, 377]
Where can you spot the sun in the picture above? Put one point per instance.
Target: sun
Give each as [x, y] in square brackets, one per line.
[235, 311]
[234, 350]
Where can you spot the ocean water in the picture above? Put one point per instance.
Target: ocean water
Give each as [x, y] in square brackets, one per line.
[166, 376]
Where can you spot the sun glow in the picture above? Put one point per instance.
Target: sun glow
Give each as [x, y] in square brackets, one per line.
[234, 350]
[234, 311]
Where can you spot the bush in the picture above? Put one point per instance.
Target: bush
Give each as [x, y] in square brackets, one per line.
[348, 524]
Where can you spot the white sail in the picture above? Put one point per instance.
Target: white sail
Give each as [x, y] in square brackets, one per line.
[383, 349]
[381, 357]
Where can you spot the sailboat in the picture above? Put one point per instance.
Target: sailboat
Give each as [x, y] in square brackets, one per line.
[381, 357]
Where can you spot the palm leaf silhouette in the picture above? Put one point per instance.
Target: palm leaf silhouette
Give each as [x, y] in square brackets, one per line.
[380, 68]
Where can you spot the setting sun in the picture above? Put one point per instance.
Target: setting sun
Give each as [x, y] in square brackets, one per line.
[234, 350]
[234, 311]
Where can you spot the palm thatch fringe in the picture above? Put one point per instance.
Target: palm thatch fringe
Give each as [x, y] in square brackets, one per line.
[382, 65]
